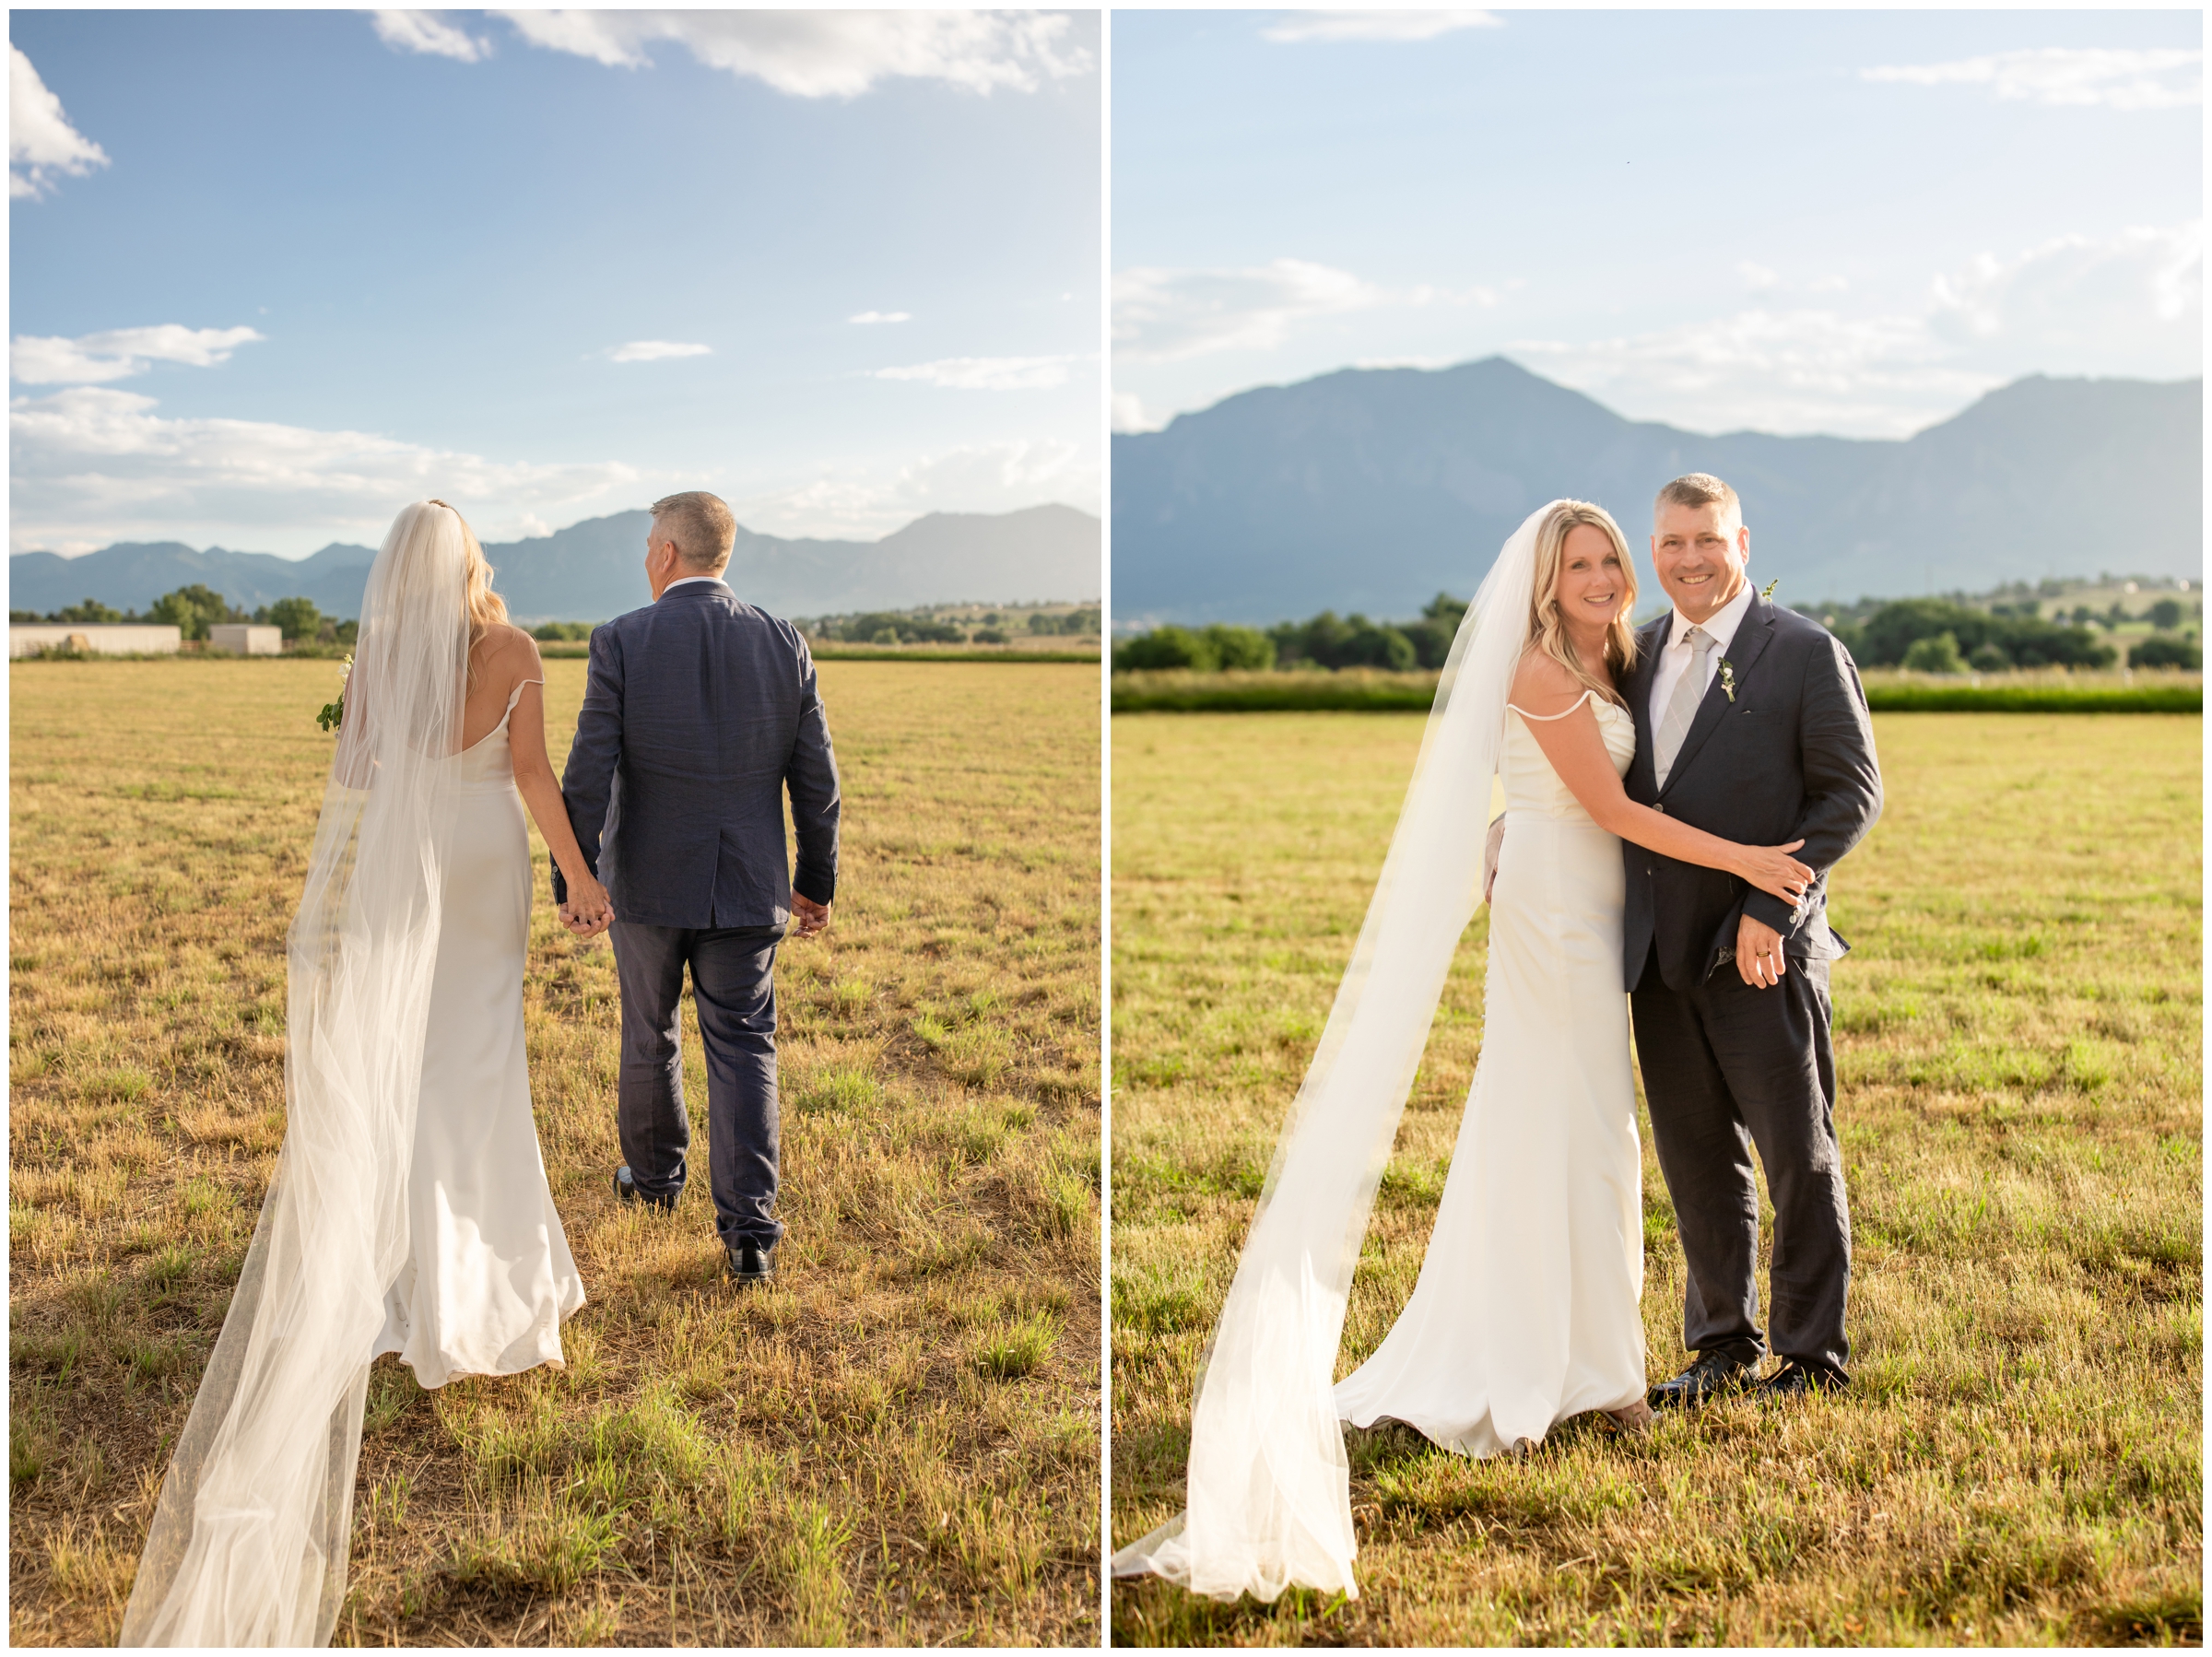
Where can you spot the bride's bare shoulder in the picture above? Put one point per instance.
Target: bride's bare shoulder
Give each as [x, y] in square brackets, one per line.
[1543, 686]
[508, 652]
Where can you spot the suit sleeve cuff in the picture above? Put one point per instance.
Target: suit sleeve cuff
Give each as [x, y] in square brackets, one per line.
[1770, 911]
[815, 885]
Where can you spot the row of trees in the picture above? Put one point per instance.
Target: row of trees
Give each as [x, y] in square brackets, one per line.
[895, 627]
[193, 610]
[1930, 635]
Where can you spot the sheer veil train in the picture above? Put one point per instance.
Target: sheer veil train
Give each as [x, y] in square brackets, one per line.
[1268, 1490]
[249, 1544]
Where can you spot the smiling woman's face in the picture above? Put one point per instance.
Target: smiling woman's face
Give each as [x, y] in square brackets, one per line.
[1592, 585]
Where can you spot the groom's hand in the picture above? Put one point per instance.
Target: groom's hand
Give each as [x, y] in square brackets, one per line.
[1759, 956]
[807, 917]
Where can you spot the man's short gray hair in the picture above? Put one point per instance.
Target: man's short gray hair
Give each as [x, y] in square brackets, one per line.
[703, 527]
[1699, 488]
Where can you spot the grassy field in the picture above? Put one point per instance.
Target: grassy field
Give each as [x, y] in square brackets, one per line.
[898, 1443]
[2018, 1035]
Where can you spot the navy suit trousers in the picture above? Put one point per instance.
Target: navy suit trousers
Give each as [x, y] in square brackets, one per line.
[732, 983]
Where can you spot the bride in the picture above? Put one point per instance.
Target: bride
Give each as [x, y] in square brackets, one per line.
[409, 1212]
[1525, 1311]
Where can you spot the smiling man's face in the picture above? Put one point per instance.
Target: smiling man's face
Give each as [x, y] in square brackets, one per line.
[1700, 553]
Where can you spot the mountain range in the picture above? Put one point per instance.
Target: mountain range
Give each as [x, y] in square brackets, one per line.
[1373, 489]
[595, 570]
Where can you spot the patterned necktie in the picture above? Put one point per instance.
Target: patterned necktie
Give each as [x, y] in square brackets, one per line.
[1682, 707]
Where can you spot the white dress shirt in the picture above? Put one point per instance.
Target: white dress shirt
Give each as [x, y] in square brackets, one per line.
[1675, 656]
[680, 580]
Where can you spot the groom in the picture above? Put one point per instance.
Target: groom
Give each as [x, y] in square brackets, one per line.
[1750, 724]
[699, 712]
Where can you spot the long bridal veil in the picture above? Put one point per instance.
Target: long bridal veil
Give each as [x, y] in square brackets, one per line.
[1268, 1492]
[249, 1544]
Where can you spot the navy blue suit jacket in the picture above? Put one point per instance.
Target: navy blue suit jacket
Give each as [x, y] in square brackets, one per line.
[698, 714]
[1789, 757]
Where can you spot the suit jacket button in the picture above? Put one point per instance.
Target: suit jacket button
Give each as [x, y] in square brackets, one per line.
[1660, 809]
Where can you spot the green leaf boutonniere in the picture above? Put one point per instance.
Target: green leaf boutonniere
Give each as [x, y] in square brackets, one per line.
[335, 712]
[1728, 678]
[1768, 591]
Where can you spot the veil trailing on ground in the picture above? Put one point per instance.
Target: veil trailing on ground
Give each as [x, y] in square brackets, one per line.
[1268, 1495]
[249, 1544]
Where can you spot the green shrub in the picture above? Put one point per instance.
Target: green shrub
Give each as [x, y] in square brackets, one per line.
[988, 635]
[2163, 650]
[2166, 614]
[1166, 649]
[562, 632]
[1939, 654]
[1989, 658]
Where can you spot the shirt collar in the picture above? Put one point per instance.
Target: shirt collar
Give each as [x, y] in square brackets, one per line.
[685, 580]
[1720, 626]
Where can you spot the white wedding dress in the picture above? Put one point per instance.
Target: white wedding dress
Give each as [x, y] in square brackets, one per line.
[1526, 1309]
[488, 1276]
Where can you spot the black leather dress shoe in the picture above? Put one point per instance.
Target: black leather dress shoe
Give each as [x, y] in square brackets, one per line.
[751, 1263]
[626, 1190]
[1795, 1380]
[1714, 1375]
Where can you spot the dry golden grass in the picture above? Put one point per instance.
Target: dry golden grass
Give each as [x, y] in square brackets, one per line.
[898, 1443]
[2018, 1038]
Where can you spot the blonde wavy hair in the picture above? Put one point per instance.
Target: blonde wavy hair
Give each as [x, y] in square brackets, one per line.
[486, 608]
[1548, 628]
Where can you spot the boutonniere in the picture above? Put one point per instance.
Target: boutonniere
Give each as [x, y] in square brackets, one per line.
[1768, 591]
[1728, 678]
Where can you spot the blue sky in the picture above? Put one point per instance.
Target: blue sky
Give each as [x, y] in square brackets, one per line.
[276, 273]
[1851, 222]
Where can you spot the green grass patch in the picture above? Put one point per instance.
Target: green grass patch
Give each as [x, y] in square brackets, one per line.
[2019, 1040]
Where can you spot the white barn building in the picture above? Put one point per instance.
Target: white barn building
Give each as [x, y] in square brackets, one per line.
[241, 640]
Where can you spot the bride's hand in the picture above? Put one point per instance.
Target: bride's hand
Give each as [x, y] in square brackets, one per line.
[1772, 869]
[588, 911]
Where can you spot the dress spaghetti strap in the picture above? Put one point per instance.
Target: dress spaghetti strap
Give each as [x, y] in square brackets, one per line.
[1547, 718]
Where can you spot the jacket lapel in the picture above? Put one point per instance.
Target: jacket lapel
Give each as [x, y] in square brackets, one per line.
[1746, 647]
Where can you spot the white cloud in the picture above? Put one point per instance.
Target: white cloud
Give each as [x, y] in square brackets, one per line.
[2129, 305]
[656, 351]
[42, 145]
[1376, 25]
[1167, 315]
[882, 316]
[2147, 281]
[93, 464]
[2106, 78]
[91, 359]
[1129, 414]
[1757, 277]
[828, 53]
[986, 373]
[429, 34]
[864, 503]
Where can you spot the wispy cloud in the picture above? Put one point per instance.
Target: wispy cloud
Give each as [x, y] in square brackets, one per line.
[828, 53]
[859, 502]
[93, 358]
[882, 316]
[1376, 25]
[1167, 315]
[92, 464]
[2132, 303]
[986, 373]
[2089, 76]
[1128, 414]
[656, 351]
[42, 145]
[428, 33]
